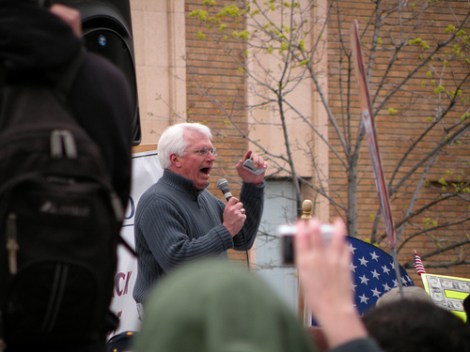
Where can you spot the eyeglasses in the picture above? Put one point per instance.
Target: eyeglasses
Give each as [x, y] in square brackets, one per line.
[205, 151]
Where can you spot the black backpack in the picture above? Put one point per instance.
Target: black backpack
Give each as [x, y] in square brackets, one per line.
[59, 221]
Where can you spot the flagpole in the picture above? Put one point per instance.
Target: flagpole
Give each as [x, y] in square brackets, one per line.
[369, 126]
[303, 314]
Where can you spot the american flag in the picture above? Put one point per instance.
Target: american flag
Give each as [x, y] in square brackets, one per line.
[418, 264]
[373, 273]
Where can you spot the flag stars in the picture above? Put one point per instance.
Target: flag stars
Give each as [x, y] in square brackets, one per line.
[353, 267]
[386, 270]
[364, 280]
[376, 292]
[363, 261]
[363, 298]
[374, 256]
[352, 248]
[375, 274]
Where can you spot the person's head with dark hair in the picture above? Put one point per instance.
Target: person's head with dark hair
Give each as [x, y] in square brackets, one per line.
[466, 308]
[411, 325]
[407, 292]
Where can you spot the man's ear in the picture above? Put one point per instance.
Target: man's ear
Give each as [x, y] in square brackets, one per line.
[175, 160]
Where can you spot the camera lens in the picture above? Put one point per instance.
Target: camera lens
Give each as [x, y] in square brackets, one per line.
[102, 40]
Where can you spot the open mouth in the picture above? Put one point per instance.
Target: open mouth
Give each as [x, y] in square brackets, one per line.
[206, 170]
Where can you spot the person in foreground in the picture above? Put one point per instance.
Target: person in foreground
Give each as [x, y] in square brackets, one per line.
[178, 220]
[412, 324]
[214, 305]
[220, 306]
[37, 42]
[36, 45]
[325, 276]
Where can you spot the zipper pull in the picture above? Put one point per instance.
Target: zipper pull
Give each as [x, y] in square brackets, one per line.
[62, 141]
[12, 244]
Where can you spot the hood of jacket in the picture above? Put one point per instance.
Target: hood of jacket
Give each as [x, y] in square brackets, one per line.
[33, 40]
[214, 305]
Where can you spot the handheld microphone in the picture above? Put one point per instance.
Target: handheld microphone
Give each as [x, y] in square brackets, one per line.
[222, 184]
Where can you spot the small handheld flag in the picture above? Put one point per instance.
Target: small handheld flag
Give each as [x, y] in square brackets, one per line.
[418, 264]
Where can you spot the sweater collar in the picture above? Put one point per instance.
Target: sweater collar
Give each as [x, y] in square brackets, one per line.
[181, 182]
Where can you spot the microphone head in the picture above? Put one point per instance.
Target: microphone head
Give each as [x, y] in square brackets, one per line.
[222, 184]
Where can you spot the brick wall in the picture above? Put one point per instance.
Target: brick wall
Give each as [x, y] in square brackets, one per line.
[396, 132]
[216, 94]
[214, 80]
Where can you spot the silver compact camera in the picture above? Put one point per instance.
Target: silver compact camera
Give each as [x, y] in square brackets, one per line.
[286, 235]
[250, 166]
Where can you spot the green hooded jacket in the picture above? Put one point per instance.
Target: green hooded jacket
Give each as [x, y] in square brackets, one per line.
[215, 305]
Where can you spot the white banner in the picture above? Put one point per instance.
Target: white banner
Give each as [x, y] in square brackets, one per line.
[146, 171]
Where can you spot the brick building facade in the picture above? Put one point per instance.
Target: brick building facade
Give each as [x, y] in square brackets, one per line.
[189, 72]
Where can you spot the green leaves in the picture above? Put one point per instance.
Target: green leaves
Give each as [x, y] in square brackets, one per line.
[420, 43]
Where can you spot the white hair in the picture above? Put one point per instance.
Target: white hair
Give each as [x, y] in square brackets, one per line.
[172, 140]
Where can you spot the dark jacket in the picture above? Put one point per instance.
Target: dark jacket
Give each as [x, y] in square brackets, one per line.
[34, 44]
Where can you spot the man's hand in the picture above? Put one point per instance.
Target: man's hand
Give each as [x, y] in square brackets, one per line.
[258, 162]
[234, 216]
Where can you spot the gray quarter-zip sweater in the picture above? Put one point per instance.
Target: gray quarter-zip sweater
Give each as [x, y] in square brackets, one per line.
[176, 223]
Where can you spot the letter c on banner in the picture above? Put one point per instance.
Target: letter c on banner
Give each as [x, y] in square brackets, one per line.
[120, 291]
[117, 279]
